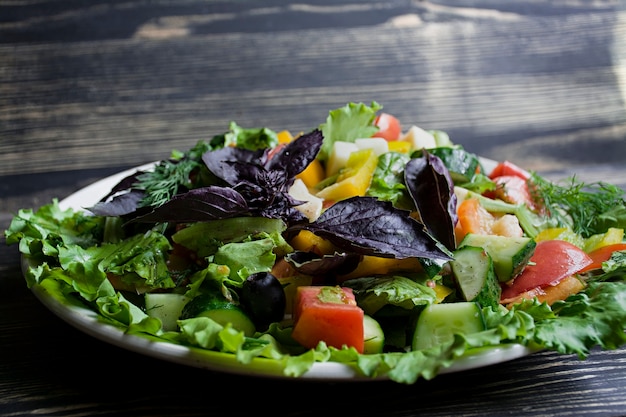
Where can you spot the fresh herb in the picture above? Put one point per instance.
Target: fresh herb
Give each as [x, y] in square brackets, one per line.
[368, 226]
[174, 175]
[245, 182]
[431, 187]
[170, 176]
[586, 208]
[264, 181]
[200, 204]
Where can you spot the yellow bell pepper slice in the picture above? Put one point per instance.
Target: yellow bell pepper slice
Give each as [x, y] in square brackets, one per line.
[441, 292]
[613, 235]
[284, 136]
[401, 146]
[561, 233]
[307, 241]
[354, 179]
[376, 265]
[312, 174]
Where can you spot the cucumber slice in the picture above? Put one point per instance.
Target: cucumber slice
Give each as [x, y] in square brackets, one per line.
[475, 276]
[220, 310]
[166, 307]
[438, 323]
[373, 335]
[509, 254]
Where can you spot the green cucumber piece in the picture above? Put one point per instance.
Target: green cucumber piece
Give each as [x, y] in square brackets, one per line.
[441, 139]
[166, 307]
[438, 323]
[373, 335]
[221, 311]
[475, 276]
[509, 254]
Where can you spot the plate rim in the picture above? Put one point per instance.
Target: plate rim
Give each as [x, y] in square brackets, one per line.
[86, 321]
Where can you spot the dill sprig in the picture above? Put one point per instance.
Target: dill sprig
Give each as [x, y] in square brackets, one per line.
[170, 176]
[581, 206]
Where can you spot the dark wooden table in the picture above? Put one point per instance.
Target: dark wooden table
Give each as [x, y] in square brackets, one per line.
[89, 88]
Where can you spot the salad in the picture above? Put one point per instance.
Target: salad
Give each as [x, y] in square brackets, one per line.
[390, 249]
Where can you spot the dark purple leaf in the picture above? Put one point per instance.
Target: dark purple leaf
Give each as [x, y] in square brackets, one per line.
[432, 190]
[296, 155]
[125, 183]
[234, 165]
[264, 181]
[197, 205]
[119, 205]
[309, 263]
[369, 226]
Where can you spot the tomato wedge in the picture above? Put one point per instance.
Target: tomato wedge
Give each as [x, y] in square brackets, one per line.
[509, 168]
[552, 261]
[512, 189]
[389, 127]
[602, 254]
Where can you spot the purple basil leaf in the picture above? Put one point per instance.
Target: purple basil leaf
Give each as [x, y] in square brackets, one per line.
[197, 205]
[125, 183]
[264, 181]
[309, 263]
[296, 155]
[432, 190]
[234, 165]
[369, 226]
[119, 205]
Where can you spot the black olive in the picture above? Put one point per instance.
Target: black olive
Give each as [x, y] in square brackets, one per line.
[263, 297]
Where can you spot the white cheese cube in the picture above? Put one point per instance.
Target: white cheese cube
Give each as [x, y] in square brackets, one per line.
[339, 156]
[378, 145]
[312, 208]
[419, 138]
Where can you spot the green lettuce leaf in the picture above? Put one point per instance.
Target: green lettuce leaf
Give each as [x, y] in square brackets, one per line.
[586, 320]
[373, 293]
[388, 180]
[40, 233]
[348, 123]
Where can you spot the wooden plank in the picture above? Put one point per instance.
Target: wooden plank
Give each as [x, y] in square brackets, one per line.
[486, 82]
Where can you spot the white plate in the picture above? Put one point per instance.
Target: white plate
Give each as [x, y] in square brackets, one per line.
[86, 321]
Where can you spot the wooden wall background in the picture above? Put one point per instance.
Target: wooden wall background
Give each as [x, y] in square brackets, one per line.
[120, 83]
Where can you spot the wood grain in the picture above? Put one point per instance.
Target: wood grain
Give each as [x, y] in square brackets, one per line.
[504, 83]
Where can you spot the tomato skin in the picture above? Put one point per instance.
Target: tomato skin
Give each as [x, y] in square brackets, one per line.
[506, 168]
[552, 261]
[512, 189]
[389, 127]
[602, 254]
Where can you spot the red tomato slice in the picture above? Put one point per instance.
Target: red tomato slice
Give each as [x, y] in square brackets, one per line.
[603, 254]
[389, 127]
[336, 320]
[509, 168]
[552, 261]
[512, 189]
